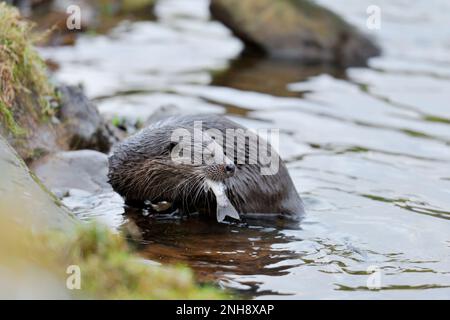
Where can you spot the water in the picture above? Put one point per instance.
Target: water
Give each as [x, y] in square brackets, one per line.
[368, 149]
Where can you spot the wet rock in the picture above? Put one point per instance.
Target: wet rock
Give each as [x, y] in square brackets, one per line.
[257, 74]
[85, 128]
[24, 197]
[84, 170]
[79, 179]
[295, 29]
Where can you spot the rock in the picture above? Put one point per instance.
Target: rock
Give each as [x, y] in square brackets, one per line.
[79, 179]
[295, 29]
[84, 170]
[25, 199]
[249, 73]
[85, 128]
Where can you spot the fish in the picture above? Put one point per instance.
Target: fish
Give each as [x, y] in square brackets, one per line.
[224, 206]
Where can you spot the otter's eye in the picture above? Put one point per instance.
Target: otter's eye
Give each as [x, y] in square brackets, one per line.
[171, 146]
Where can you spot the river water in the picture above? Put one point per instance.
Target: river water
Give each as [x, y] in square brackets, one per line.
[367, 148]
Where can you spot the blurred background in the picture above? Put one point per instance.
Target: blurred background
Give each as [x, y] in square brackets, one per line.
[360, 91]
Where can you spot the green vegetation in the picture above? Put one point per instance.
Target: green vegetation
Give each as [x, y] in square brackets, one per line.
[111, 271]
[114, 11]
[8, 119]
[136, 5]
[24, 86]
[108, 268]
[117, 121]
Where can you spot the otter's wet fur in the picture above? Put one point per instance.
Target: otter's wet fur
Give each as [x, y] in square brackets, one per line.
[141, 169]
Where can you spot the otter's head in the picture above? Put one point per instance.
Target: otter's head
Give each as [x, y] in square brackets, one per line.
[170, 165]
[200, 153]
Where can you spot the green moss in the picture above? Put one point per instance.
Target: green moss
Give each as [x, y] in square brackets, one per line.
[284, 17]
[51, 195]
[113, 12]
[8, 120]
[110, 270]
[316, 11]
[136, 5]
[117, 121]
[24, 86]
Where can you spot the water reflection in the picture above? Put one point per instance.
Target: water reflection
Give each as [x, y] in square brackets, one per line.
[258, 74]
[214, 250]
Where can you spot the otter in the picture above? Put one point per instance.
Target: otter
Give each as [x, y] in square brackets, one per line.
[167, 165]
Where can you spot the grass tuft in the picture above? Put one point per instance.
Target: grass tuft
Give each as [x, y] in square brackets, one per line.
[110, 270]
[24, 85]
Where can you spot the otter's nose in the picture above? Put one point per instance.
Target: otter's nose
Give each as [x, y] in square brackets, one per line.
[230, 169]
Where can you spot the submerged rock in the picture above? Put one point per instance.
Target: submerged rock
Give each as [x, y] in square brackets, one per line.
[295, 29]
